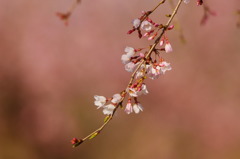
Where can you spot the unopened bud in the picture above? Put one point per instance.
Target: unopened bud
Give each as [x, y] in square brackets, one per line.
[152, 37]
[170, 27]
[141, 55]
[199, 2]
[146, 34]
[149, 20]
[76, 142]
[161, 42]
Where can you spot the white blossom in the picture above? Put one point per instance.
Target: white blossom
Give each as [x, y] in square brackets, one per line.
[129, 53]
[130, 66]
[142, 70]
[129, 50]
[139, 74]
[146, 26]
[100, 101]
[137, 107]
[168, 47]
[125, 59]
[154, 72]
[129, 108]
[165, 67]
[143, 90]
[108, 109]
[136, 23]
[161, 68]
[116, 98]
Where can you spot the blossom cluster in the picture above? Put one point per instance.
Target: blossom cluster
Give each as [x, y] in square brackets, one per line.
[145, 24]
[101, 102]
[152, 68]
[135, 60]
[134, 91]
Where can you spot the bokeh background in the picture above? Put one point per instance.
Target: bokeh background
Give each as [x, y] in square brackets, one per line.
[50, 72]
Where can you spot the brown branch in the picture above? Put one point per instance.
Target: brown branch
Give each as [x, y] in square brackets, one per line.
[152, 48]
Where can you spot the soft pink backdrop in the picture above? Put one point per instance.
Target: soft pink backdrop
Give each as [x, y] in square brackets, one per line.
[50, 72]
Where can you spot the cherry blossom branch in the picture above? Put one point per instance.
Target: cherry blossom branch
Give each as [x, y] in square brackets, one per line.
[118, 99]
[156, 41]
[65, 16]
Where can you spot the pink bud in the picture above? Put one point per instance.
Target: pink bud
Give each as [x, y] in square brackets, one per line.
[149, 20]
[161, 42]
[151, 37]
[141, 55]
[199, 2]
[170, 27]
[146, 34]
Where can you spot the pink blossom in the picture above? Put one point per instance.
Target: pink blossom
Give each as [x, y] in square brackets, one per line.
[164, 66]
[128, 108]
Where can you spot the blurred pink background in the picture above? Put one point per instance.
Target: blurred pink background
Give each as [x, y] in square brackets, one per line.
[49, 74]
